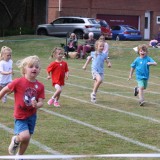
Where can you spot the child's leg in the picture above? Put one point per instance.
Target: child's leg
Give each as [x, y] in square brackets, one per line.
[23, 130]
[142, 85]
[23, 138]
[56, 95]
[97, 83]
[141, 94]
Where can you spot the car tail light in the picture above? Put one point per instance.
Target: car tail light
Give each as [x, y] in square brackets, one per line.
[88, 26]
[126, 32]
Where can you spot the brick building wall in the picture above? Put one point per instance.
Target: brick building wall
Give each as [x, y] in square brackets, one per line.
[91, 8]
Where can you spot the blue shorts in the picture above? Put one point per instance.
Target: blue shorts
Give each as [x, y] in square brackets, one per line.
[26, 124]
[142, 83]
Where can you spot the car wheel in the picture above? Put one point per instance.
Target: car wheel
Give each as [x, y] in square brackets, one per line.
[79, 34]
[42, 32]
[117, 38]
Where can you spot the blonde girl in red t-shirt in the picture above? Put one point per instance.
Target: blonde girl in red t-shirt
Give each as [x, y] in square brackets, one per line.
[57, 71]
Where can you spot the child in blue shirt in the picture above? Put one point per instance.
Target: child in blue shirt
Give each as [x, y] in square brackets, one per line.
[141, 64]
[98, 58]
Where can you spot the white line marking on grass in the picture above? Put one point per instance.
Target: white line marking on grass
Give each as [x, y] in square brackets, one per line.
[111, 93]
[38, 144]
[118, 77]
[123, 86]
[34, 142]
[114, 134]
[111, 108]
[114, 94]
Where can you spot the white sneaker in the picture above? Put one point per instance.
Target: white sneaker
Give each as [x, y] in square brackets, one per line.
[13, 146]
[93, 97]
[141, 103]
[4, 99]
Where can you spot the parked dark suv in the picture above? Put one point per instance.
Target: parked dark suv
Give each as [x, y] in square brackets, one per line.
[81, 26]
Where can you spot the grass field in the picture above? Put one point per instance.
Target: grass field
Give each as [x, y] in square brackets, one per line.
[116, 124]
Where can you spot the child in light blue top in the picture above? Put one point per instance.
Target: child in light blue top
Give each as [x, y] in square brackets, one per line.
[141, 64]
[98, 62]
[98, 58]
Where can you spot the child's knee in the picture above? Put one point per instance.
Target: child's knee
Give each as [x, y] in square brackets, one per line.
[24, 137]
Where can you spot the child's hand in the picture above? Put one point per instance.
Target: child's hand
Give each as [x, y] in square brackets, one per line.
[49, 77]
[109, 64]
[84, 67]
[130, 77]
[34, 102]
[66, 77]
[10, 72]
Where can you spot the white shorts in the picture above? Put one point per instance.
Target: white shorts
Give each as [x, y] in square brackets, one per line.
[94, 74]
[57, 86]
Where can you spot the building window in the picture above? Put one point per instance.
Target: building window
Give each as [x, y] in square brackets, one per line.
[158, 19]
[146, 23]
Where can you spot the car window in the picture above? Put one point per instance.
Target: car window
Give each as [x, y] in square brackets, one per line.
[75, 20]
[103, 23]
[59, 21]
[92, 21]
[116, 28]
[130, 28]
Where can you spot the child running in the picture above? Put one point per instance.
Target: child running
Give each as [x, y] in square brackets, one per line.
[28, 97]
[141, 64]
[58, 71]
[6, 69]
[98, 58]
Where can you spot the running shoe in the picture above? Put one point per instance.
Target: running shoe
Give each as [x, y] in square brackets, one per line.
[93, 97]
[50, 102]
[141, 103]
[56, 104]
[135, 91]
[13, 146]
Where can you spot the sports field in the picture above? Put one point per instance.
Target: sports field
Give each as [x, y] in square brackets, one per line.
[116, 124]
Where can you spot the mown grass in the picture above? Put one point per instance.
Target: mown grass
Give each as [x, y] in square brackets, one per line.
[78, 126]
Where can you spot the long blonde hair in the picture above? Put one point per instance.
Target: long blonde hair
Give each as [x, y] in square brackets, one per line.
[96, 46]
[28, 61]
[4, 50]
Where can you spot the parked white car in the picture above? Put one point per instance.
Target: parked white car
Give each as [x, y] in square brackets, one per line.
[81, 26]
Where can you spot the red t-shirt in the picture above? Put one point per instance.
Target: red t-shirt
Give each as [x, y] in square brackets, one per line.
[24, 92]
[58, 70]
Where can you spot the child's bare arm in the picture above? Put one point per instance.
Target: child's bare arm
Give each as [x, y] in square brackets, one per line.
[108, 63]
[4, 91]
[66, 75]
[87, 62]
[152, 63]
[38, 104]
[48, 75]
[6, 73]
[131, 73]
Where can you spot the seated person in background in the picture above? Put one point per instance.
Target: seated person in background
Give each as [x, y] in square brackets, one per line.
[71, 43]
[106, 46]
[87, 47]
[155, 42]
